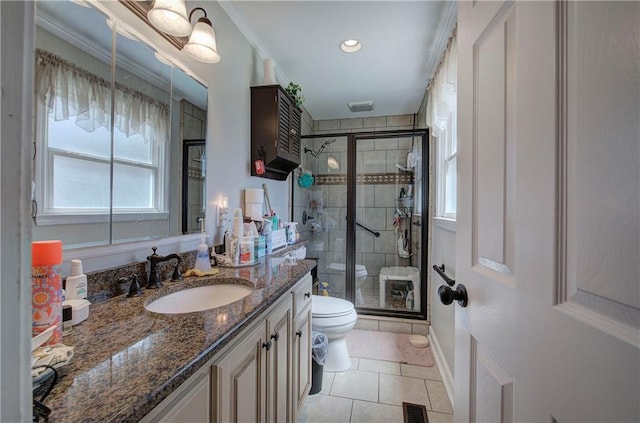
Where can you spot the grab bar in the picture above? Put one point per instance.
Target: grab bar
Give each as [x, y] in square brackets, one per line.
[440, 271]
[375, 233]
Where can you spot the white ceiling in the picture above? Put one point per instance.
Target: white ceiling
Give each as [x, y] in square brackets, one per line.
[402, 43]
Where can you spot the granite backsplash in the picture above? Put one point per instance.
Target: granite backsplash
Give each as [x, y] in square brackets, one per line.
[103, 285]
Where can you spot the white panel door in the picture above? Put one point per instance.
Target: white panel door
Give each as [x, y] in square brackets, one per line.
[548, 231]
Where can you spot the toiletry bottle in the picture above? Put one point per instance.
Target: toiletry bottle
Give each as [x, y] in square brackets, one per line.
[76, 285]
[246, 250]
[203, 260]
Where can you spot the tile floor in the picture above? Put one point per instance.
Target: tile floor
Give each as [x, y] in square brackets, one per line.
[373, 391]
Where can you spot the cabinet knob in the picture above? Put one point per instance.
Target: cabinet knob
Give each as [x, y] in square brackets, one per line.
[293, 131]
[299, 334]
[307, 294]
[275, 336]
[266, 345]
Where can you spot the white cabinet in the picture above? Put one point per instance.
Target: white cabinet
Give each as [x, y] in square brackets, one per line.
[189, 403]
[279, 363]
[263, 375]
[256, 379]
[239, 380]
[301, 378]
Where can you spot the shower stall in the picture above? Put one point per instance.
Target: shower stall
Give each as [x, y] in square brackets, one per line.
[360, 200]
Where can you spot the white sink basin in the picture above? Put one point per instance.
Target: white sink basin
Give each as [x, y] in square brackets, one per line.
[198, 299]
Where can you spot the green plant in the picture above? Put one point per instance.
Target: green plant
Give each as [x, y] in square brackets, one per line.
[295, 91]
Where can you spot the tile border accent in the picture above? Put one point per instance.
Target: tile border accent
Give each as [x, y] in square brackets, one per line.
[366, 179]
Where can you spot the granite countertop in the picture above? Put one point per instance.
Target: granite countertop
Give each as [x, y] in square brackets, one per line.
[127, 359]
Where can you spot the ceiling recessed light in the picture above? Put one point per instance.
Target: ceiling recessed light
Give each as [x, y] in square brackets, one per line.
[350, 46]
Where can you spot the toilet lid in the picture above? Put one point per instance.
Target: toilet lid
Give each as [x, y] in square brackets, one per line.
[361, 270]
[330, 306]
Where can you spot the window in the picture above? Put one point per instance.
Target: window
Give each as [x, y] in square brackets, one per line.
[442, 119]
[76, 153]
[80, 165]
[447, 169]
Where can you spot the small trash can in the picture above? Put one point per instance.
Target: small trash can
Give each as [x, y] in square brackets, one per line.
[319, 348]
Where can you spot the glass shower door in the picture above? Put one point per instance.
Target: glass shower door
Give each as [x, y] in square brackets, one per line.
[320, 207]
[387, 237]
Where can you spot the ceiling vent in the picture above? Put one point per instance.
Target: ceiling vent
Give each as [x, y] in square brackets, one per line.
[361, 106]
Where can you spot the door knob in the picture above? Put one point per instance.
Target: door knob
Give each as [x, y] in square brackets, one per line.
[448, 295]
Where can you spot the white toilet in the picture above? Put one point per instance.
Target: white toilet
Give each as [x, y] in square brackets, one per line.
[334, 317]
[361, 277]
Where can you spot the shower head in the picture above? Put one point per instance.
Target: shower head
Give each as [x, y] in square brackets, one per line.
[324, 144]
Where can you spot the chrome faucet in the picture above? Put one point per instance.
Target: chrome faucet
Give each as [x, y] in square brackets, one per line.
[155, 281]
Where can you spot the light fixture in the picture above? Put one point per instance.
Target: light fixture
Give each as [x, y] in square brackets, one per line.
[202, 42]
[170, 16]
[350, 46]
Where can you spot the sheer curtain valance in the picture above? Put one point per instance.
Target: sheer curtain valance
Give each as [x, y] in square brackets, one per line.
[442, 96]
[68, 91]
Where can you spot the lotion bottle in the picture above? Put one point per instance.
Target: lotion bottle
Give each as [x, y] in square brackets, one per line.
[76, 284]
[203, 260]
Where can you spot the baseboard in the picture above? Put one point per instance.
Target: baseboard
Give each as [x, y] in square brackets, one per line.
[445, 371]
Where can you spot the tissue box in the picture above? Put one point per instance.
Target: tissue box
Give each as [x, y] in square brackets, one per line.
[259, 247]
[279, 238]
[79, 310]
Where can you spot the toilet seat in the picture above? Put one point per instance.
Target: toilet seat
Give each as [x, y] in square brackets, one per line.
[328, 307]
[361, 270]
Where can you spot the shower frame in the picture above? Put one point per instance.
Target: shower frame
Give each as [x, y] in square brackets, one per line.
[350, 277]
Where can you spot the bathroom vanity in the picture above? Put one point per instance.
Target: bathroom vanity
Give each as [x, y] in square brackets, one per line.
[245, 361]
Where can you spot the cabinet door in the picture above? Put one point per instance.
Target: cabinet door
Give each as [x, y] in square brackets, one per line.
[284, 119]
[289, 126]
[301, 357]
[240, 379]
[295, 125]
[279, 363]
[188, 403]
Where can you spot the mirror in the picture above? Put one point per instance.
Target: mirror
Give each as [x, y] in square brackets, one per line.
[95, 185]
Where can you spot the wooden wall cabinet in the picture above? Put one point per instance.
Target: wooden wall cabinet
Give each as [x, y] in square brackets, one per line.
[275, 131]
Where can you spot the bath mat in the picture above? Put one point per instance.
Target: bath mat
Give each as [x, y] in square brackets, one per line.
[387, 346]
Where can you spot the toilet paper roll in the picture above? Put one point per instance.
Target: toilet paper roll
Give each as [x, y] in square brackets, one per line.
[254, 195]
[253, 211]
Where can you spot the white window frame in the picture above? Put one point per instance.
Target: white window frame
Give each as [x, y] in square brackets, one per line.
[48, 215]
[447, 153]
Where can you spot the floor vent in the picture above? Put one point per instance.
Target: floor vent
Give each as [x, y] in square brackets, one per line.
[414, 413]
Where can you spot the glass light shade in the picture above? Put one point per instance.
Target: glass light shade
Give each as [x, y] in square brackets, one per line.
[170, 16]
[202, 43]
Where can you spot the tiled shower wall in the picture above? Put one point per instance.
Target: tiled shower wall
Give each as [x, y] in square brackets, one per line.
[377, 196]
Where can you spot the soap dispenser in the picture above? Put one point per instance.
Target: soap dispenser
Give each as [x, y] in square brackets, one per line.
[203, 260]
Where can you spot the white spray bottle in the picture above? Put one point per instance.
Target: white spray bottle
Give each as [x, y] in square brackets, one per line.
[203, 260]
